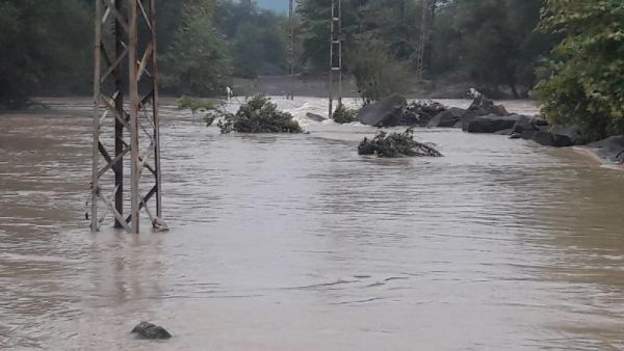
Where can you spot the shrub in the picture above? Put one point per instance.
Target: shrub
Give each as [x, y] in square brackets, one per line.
[396, 145]
[344, 115]
[377, 74]
[259, 115]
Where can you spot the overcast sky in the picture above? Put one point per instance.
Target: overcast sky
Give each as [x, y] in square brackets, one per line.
[278, 5]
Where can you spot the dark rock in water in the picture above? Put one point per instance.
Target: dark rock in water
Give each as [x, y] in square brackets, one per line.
[610, 149]
[504, 132]
[491, 123]
[146, 330]
[526, 127]
[481, 105]
[557, 136]
[387, 112]
[420, 113]
[315, 117]
[447, 119]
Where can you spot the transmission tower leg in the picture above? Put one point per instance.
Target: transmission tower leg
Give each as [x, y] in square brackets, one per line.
[140, 120]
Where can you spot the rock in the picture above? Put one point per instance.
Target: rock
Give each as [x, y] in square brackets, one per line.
[387, 112]
[447, 119]
[491, 123]
[146, 330]
[610, 149]
[315, 117]
[504, 132]
[481, 105]
[527, 126]
[557, 136]
[420, 113]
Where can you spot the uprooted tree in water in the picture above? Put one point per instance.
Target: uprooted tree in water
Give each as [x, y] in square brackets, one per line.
[259, 115]
[396, 145]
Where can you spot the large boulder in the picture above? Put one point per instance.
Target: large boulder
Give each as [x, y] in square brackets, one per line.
[491, 123]
[385, 113]
[557, 136]
[481, 105]
[527, 126]
[610, 149]
[447, 119]
[146, 330]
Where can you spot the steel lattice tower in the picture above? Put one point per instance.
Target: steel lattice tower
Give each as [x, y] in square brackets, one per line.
[291, 47]
[335, 55]
[126, 65]
[428, 7]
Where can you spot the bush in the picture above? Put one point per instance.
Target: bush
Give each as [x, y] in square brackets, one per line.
[259, 115]
[344, 115]
[396, 145]
[377, 74]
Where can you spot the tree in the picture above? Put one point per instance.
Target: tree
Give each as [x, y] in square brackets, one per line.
[198, 61]
[585, 86]
[43, 49]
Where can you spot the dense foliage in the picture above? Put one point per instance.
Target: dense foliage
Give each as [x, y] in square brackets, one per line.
[491, 43]
[585, 86]
[46, 47]
[259, 115]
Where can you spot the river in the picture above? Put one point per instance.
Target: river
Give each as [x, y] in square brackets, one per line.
[294, 242]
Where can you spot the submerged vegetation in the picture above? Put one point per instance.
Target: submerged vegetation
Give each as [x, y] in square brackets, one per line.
[396, 145]
[343, 114]
[259, 115]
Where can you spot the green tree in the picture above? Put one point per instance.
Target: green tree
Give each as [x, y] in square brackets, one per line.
[585, 86]
[45, 49]
[198, 61]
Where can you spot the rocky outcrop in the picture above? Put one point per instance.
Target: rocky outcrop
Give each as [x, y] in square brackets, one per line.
[610, 149]
[385, 113]
[491, 123]
[419, 113]
[146, 330]
[447, 119]
[557, 136]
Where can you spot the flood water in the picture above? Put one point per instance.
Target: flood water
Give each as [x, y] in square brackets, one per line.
[294, 242]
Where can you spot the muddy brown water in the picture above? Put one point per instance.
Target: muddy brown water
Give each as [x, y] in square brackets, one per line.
[294, 242]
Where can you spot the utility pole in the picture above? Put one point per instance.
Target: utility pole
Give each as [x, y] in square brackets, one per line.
[428, 7]
[135, 129]
[291, 47]
[335, 55]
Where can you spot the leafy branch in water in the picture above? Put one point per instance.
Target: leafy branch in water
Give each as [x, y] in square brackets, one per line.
[259, 115]
[396, 145]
